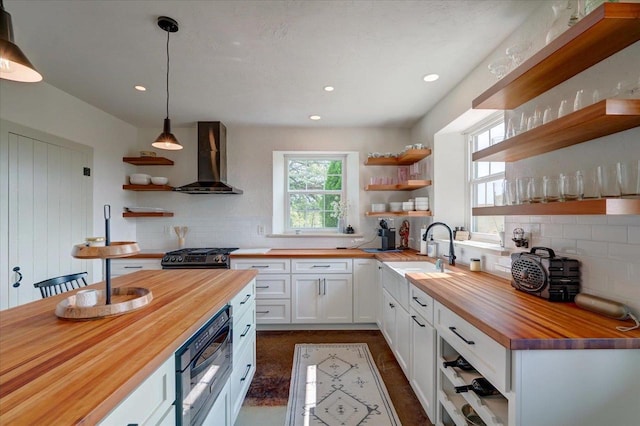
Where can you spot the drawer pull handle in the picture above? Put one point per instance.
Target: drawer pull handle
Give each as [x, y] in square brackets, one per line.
[133, 267]
[262, 286]
[419, 302]
[246, 299]
[260, 266]
[417, 322]
[246, 373]
[321, 266]
[468, 342]
[391, 305]
[246, 330]
[262, 312]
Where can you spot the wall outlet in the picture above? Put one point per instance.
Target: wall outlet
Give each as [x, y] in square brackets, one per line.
[260, 229]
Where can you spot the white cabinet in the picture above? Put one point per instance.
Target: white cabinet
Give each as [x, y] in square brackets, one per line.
[396, 326]
[151, 403]
[127, 266]
[423, 350]
[322, 298]
[220, 413]
[319, 266]
[366, 294]
[273, 288]
[243, 309]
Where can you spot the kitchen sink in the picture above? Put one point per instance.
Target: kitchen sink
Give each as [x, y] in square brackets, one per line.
[403, 268]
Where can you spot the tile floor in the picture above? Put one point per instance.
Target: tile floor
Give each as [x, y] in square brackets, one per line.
[269, 392]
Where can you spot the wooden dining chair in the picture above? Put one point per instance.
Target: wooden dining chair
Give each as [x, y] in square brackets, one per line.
[62, 284]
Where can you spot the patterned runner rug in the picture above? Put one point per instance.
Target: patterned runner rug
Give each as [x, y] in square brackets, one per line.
[337, 385]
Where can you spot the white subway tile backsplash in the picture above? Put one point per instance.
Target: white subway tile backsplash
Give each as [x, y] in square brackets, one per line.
[591, 220]
[614, 234]
[592, 248]
[633, 235]
[579, 232]
[540, 219]
[540, 242]
[563, 219]
[562, 245]
[551, 230]
[624, 252]
[624, 220]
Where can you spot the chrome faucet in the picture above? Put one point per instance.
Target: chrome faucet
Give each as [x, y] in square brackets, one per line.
[452, 255]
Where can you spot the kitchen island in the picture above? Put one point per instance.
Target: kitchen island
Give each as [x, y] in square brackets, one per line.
[77, 372]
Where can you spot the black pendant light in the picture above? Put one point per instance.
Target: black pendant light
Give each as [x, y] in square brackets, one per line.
[14, 64]
[166, 140]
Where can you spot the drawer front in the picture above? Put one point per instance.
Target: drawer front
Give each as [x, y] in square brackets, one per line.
[273, 311]
[490, 358]
[127, 266]
[276, 286]
[321, 266]
[264, 266]
[244, 367]
[422, 303]
[244, 329]
[242, 301]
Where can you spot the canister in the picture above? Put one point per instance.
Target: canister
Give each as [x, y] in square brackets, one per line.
[474, 265]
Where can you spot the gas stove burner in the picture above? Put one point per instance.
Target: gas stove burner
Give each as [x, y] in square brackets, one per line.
[198, 258]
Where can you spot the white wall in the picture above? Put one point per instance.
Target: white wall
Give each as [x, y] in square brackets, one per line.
[233, 220]
[608, 246]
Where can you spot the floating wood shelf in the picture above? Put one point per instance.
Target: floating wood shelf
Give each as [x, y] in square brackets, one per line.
[605, 31]
[413, 213]
[407, 158]
[148, 161]
[600, 119]
[147, 214]
[147, 187]
[604, 206]
[114, 250]
[409, 185]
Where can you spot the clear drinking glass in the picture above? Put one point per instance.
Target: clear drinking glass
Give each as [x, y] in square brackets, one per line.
[578, 101]
[551, 189]
[498, 193]
[571, 186]
[609, 180]
[590, 183]
[510, 192]
[629, 175]
[564, 108]
[536, 190]
[522, 190]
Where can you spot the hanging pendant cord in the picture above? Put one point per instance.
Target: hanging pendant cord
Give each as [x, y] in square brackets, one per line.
[168, 33]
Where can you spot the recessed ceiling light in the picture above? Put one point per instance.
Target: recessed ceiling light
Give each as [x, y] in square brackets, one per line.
[329, 88]
[430, 77]
[140, 88]
[314, 117]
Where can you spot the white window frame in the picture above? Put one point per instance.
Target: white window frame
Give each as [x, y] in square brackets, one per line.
[472, 182]
[350, 188]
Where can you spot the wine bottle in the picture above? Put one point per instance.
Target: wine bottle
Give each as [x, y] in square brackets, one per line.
[459, 362]
[480, 386]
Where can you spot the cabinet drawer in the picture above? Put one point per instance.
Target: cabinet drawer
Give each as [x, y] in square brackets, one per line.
[321, 266]
[127, 266]
[490, 358]
[273, 311]
[422, 303]
[243, 300]
[264, 266]
[276, 286]
[244, 367]
[244, 328]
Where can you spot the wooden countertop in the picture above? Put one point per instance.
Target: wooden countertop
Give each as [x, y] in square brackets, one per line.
[518, 320]
[66, 372]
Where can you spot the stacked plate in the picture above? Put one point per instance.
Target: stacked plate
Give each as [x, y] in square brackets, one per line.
[378, 207]
[396, 206]
[422, 203]
[408, 206]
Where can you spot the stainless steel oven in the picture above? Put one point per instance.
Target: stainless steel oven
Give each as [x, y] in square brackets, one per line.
[203, 365]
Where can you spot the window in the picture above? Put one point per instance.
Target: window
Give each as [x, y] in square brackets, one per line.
[314, 189]
[484, 174]
[308, 188]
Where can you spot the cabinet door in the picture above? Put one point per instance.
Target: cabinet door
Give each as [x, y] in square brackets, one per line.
[402, 347]
[389, 306]
[305, 298]
[337, 298]
[423, 368]
[365, 290]
[220, 413]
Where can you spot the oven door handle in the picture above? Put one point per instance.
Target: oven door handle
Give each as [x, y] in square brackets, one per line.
[197, 370]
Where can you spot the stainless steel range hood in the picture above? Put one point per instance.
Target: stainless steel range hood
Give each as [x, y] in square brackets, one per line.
[212, 161]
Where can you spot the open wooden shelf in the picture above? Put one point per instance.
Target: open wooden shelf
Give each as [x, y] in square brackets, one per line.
[600, 119]
[148, 161]
[409, 185]
[608, 29]
[413, 213]
[407, 158]
[147, 187]
[604, 206]
[147, 214]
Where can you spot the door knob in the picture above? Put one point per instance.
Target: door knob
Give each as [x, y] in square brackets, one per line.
[17, 271]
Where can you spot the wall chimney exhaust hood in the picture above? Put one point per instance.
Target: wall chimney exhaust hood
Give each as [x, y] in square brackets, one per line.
[212, 161]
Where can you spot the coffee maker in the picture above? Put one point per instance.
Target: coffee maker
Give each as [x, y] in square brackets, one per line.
[387, 236]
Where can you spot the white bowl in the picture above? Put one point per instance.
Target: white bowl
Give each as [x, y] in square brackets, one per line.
[159, 180]
[378, 208]
[406, 206]
[422, 200]
[140, 179]
[395, 206]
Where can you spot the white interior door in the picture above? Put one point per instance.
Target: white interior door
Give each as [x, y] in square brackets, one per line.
[45, 209]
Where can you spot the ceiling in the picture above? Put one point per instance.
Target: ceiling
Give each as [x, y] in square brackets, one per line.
[263, 62]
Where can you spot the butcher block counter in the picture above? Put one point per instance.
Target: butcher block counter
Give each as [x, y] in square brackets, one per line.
[518, 320]
[66, 372]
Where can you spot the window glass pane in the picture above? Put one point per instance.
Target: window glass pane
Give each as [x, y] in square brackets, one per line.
[488, 224]
[480, 195]
[497, 167]
[482, 169]
[482, 141]
[497, 133]
[314, 174]
[312, 211]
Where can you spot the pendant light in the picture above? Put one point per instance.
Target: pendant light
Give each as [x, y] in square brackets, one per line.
[166, 140]
[14, 64]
